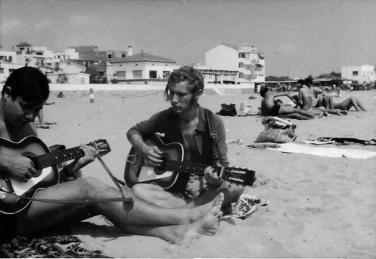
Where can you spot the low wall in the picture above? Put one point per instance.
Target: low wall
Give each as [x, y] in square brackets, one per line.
[211, 88]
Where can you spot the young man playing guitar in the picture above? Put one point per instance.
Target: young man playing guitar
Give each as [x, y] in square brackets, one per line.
[185, 122]
[23, 95]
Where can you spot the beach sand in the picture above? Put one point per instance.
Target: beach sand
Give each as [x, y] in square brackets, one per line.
[318, 206]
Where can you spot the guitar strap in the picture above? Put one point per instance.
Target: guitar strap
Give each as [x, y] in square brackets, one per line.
[212, 131]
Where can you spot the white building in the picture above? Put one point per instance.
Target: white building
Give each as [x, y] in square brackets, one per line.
[47, 61]
[69, 72]
[361, 74]
[247, 60]
[139, 67]
[9, 61]
[69, 53]
[221, 76]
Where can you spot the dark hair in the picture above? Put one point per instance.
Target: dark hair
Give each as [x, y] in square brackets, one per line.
[29, 83]
[185, 73]
[264, 90]
[308, 80]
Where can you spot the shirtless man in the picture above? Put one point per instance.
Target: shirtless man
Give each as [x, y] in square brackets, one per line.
[23, 95]
[271, 107]
[315, 99]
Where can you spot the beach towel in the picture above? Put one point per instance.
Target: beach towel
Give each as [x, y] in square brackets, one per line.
[347, 141]
[65, 246]
[324, 151]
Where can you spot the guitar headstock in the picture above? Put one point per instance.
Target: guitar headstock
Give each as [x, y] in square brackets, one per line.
[238, 175]
[101, 145]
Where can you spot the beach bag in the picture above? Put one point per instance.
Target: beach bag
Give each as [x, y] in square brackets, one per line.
[227, 110]
[276, 130]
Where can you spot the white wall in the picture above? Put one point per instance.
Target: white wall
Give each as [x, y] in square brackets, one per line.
[145, 67]
[366, 73]
[222, 57]
[135, 87]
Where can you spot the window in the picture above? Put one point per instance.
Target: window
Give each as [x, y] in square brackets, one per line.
[123, 55]
[1, 70]
[120, 74]
[355, 73]
[109, 56]
[152, 74]
[241, 55]
[137, 74]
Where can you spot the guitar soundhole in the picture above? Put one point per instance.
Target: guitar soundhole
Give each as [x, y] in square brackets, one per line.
[158, 171]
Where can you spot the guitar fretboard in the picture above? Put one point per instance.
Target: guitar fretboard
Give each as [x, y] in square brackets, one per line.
[185, 167]
[58, 157]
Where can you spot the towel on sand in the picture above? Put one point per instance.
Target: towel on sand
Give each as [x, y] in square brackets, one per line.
[47, 247]
[324, 151]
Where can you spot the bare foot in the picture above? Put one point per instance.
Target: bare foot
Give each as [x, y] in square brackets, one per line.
[201, 211]
[208, 225]
[343, 112]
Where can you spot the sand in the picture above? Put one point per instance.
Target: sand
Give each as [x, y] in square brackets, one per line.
[318, 206]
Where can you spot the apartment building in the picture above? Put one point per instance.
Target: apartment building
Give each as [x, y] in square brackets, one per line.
[247, 60]
[361, 74]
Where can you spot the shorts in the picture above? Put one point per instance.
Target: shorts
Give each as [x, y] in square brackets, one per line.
[275, 109]
[8, 226]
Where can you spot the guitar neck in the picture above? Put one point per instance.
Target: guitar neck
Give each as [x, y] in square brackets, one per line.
[58, 157]
[185, 167]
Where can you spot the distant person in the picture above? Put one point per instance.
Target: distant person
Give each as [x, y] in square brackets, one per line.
[315, 99]
[272, 107]
[348, 103]
[41, 125]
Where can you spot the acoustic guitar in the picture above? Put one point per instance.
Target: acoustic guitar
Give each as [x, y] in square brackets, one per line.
[13, 192]
[167, 174]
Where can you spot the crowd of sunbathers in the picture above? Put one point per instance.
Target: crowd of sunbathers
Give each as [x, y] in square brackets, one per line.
[308, 103]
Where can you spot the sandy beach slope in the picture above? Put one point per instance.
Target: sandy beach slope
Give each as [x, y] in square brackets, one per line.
[318, 206]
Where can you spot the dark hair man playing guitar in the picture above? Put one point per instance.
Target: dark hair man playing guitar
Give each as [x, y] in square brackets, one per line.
[23, 95]
[189, 125]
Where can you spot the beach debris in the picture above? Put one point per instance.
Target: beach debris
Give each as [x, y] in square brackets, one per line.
[246, 205]
[247, 110]
[264, 145]
[238, 141]
[251, 97]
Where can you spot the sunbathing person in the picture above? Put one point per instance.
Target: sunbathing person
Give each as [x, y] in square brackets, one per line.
[272, 107]
[348, 103]
[315, 99]
[23, 95]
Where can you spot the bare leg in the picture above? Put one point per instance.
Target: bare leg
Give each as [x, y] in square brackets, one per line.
[53, 214]
[156, 195]
[348, 103]
[208, 225]
[359, 104]
[297, 116]
[286, 110]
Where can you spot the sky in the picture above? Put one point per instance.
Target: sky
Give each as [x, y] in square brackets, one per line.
[298, 37]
